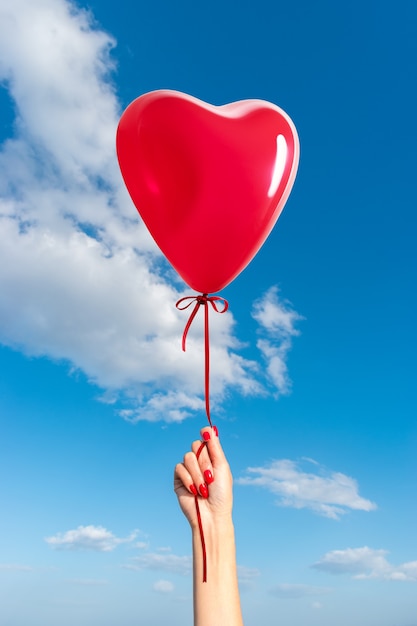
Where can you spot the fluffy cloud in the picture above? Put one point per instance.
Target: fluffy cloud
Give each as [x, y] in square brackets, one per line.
[277, 323]
[94, 538]
[366, 563]
[296, 591]
[81, 279]
[329, 494]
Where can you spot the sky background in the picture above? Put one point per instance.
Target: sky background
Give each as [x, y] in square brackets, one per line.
[313, 368]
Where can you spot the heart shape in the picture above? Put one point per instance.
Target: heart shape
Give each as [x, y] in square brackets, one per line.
[209, 181]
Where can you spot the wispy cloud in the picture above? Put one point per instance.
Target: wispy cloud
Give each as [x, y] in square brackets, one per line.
[327, 493]
[247, 575]
[15, 567]
[290, 591]
[142, 545]
[88, 582]
[366, 563]
[81, 279]
[161, 561]
[94, 538]
[277, 325]
[316, 605]
[163, 586]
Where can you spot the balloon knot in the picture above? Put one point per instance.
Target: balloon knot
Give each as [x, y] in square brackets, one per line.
[219, 304]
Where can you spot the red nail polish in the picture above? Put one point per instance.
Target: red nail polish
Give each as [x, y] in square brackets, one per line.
[193, 490]
[204, 490]
[208, 477]
[206, 435]
[216, 432]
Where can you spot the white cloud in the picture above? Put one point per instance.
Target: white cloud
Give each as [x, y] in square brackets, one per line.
[277, 320]
[276, 315]
[94, 538]
[174, 405]
[329, 494]
[295, 591]
[366, 563]
[81, 279]
[163, 586]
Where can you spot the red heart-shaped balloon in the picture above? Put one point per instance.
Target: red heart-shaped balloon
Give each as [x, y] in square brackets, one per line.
[209, 181]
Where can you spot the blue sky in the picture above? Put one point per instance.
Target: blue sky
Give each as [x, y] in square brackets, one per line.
[97, 401]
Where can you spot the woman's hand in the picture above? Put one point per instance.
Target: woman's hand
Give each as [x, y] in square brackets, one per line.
[207, 476]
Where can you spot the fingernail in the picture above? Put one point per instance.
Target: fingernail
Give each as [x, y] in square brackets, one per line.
[208, 477]
[206, 435]
[193, 490]
[204, 490]
[216, 432]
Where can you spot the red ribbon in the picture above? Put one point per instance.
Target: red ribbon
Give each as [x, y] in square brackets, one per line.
[200, 523]
[202, 300]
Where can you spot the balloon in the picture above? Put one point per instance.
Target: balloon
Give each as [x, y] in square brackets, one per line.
[209, 181]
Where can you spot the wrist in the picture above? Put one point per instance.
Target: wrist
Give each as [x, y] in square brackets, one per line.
[219, 539]
[218, 527]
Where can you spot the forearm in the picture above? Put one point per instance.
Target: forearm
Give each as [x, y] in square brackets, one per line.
[216, 602]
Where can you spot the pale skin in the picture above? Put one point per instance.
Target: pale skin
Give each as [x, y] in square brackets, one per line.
[216, 602]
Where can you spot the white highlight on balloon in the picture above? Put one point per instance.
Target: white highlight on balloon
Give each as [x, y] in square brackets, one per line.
[280, 161]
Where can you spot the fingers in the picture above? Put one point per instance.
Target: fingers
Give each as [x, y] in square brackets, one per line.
[183, 479]
[214, 449]
[199, 448]
[198, 469]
